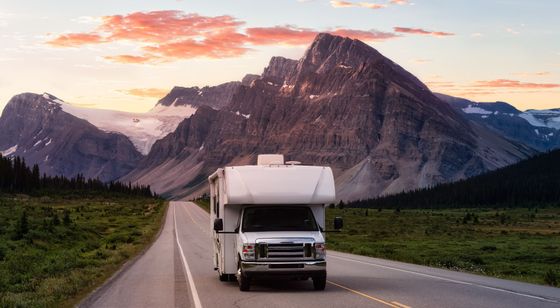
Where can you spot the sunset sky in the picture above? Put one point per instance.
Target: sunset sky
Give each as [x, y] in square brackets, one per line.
[126, 54]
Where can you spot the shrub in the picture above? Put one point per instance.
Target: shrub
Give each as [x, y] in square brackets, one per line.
[552, 278]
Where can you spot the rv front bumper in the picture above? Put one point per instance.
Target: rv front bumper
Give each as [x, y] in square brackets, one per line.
[292, 267]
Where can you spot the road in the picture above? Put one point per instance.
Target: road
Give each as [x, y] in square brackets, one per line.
[177, 271]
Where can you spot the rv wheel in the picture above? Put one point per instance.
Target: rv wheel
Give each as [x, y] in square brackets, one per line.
[243, 280]
[319, 282]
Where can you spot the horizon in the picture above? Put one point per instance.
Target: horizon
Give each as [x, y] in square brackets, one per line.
[127, 55]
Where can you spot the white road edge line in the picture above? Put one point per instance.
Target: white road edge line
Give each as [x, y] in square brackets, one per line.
[196, 299]
[450, 280]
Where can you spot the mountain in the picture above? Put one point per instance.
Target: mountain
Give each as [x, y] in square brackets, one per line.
[539, 129]
[37, 128]
[342, 104]
[213, 96]
[531, 182]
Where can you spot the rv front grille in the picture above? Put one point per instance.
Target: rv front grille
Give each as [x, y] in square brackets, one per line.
[277, 251]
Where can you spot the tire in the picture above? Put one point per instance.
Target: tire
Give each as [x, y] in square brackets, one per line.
[319, 282]
[243, 280]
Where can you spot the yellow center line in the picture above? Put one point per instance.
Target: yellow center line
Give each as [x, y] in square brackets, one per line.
[401, 305]
[390, 304]
[196, 223]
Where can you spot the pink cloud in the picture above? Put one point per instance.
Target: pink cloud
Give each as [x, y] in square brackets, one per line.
[302, 36]
[421, 31]
[399, 2]
[506, 83]
[165, 36]
[346, 4]
[76, 39]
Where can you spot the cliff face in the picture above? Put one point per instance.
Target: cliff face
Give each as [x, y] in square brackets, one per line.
[36, 128]
[344, 105]
[216, 97]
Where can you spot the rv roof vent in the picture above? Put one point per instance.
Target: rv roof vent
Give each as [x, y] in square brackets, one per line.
[293, 162]
[270, 159]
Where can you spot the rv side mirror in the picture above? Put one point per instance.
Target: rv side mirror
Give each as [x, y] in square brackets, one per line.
[338, 223]
[218, 224]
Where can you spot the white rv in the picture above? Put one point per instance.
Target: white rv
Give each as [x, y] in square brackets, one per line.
[269, 220]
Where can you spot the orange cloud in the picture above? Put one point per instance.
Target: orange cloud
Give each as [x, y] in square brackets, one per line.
[399, 2]
[165, 36]
[146, 92]
[131, 59]
[301, 36]
[76, 39]
[346, 4]
[421, 31]
[164, 26]
[341, 4]
[506, 83]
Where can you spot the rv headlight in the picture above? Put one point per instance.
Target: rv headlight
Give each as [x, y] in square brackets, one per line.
[248, 251]
[320, 251]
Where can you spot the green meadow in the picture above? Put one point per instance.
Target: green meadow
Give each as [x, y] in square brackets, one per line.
[55, 250]
[520, 244]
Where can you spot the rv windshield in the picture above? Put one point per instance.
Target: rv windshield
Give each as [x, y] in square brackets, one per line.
[278, 218]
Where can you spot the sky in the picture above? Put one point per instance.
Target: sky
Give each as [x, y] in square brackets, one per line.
[126, 54]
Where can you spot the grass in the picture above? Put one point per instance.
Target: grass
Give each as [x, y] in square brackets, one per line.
[517, 244]
[68, 245]
[203, 203]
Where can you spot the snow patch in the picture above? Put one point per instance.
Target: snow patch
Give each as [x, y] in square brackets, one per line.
[531, 119]
[537, 131]
[542, 118]
[9, 151]
[48, 142]
[246, 116]
[46, 158]
[484, 116]
[37, 143]
[475, 110]
[313, 96]
[143, 129]
[344, 66]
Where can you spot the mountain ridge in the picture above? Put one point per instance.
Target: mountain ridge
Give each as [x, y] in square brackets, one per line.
[342, 104]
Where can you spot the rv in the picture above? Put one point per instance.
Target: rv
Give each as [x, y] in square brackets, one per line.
[268, 220]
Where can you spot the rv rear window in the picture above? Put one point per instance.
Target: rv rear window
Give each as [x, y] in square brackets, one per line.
[278, 218]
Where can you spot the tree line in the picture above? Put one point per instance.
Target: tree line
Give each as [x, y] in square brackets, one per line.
[532, 182]
[17, 177]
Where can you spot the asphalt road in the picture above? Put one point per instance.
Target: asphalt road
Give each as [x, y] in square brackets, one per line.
[177, 271]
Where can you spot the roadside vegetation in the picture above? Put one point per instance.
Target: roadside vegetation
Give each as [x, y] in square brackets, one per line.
[60, 238]
[520, 244]
[204, 202]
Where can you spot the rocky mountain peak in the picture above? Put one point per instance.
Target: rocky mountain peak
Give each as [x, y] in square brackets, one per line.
[328, 51]
[279, 69]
